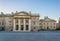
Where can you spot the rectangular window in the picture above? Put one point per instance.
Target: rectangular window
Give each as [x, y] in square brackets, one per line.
[17, 27]
[34, 22]
[59, 21]
[16, 20]
[34, 27]
[54, 26]
[26, 21]
[54, 23]
[2, 23]
[44, 23]
[21, 20]
[22, 27]
[27, 27]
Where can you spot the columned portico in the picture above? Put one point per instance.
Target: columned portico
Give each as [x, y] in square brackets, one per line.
[19, 21]
[24, 25]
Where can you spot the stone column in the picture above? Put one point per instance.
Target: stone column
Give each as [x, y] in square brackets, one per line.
[24, 25]
[19, 23]
[14, 27]
[29, 24]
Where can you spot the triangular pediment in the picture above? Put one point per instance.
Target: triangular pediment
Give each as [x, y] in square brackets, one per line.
[22, 13]
[47, 19]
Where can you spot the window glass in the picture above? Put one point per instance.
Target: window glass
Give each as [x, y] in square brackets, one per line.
[22, 27]
[27, 27]
[34, 27]
[16, 20]
[17, 27]
[2, 22]
[26, 21]
[21, 20]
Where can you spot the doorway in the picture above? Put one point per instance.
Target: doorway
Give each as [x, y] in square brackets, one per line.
[2, 29]
[47, 28]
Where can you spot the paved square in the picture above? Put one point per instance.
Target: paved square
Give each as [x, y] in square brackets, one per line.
[30, 36]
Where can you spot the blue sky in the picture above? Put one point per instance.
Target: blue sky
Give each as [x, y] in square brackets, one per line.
[49, 8]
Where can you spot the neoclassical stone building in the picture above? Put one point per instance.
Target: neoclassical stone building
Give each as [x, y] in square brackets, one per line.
[19, 21]
[47, 24]
[59, 22]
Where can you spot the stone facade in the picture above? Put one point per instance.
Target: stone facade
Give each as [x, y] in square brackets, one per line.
[20, 21]
[59, 23]
[25, 22]
[57, 26]
[47, 24]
